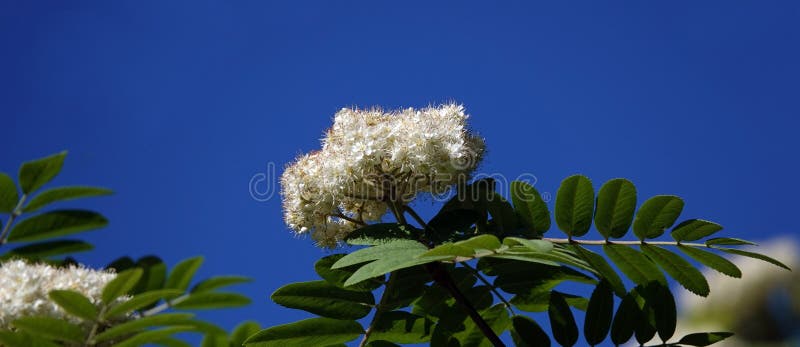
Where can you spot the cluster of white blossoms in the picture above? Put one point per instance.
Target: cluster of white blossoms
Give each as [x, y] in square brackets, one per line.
[24, 289]
[370, 158]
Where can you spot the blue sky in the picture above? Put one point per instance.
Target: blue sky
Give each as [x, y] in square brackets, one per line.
[176, 105]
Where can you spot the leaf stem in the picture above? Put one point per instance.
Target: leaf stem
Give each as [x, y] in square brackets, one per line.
[379, 308]
[14, 214]
[416, 216]
[492, 287]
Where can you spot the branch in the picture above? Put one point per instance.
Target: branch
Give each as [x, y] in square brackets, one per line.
[16, 212]
[492, 287]
[441, 277]
[379, 308]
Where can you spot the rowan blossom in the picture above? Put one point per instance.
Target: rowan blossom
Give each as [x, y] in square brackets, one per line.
[372, 157]
[24, 289]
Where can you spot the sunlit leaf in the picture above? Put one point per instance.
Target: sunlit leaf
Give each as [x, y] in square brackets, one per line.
[63, 194]
[9, 197]
[713, 261]
[36, 173]
[575, 205]
[55, 224]
[530, 206]
[616, 202]
[634, 264]
[325, 299]
[75, 304]
[121, 285]
[656, 215]
[182, 273]
[309, 332]
[683, 272]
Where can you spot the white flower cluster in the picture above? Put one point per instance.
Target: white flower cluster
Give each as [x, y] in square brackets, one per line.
[371, 157]
[24, 289]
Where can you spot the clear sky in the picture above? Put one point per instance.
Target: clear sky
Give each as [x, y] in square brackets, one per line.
[177, 105]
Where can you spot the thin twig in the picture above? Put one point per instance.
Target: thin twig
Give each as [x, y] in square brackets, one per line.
[492, 287]
[441, 277]
[16, 212]
[416, 216]
[379, 308]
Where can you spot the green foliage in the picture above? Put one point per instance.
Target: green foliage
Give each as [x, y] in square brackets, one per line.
[75, 304]
[309, 332]
[530, 206]
[36, 173]
[527, 333]
[599, 314]
[50, 328]
[53, 195]
[136, 308]
[562, 323]
[432, 294]
[574, 205]
[8, 193]
[325, 299]
[55, 224]
[616, 202]
[656, 215]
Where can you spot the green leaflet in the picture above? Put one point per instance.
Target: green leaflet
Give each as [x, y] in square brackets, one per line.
[325, 299]
[152, 336]
[603, 268]
[496, 317]
[242, 331]
[376, 234]
[388, 250]
[623, 325]
[218, 282]
[683, 272]
[633, 264]
[63, 194]
[50, 328]
[694, 229]
[656, 215]
[599, 313]
[121, 285]
[211, 300]
[755, 256]
[130, 327]
[8, 193]
[616, 203]
[140, 301]
[713, 261]
[530, 206]
[182, 273]
[704, 339]
[55, 224]
[575, 205]
[36, 173]
[50, 248]
[728, 241]
[562, 323]
[309, 332]
[402, 327]
[339, 276]
[75, 304]
[465, 248]
[527, 333]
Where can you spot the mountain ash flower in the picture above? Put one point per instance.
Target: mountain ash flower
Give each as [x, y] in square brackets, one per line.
[372, 158]
[24, 289]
